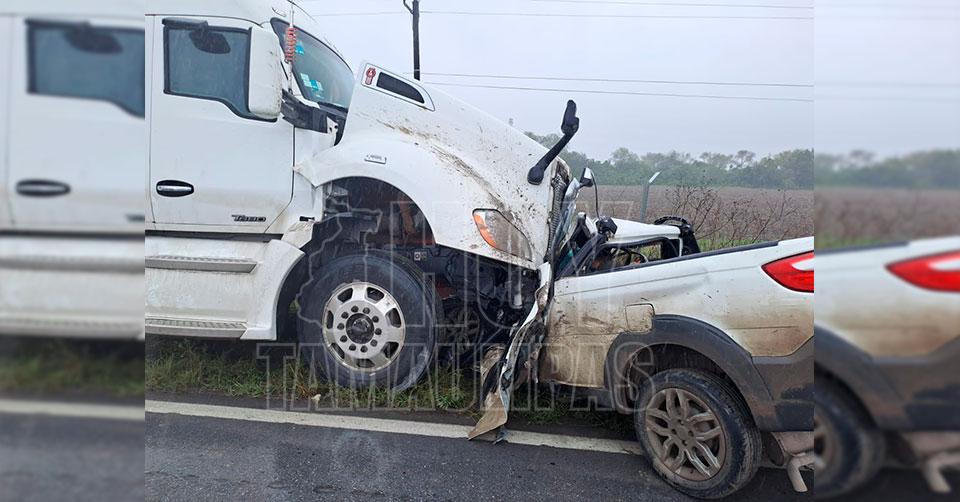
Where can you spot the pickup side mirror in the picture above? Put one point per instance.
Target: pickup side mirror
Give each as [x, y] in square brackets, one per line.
[265, 81]
[586, 179]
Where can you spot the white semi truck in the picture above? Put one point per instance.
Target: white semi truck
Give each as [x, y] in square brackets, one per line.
[71, 210]
[370, 200]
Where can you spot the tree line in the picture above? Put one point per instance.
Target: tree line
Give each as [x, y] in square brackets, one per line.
[790, 169]
[918, 170]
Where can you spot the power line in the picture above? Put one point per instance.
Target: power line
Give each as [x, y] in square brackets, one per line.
[678, 4]
[929, 85]
[346, 14]
[608, 16]
[622, 93]
[905, 99]
[621, 80]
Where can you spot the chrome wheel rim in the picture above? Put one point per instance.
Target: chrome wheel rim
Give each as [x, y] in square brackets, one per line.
[686, 435]
[363, 326]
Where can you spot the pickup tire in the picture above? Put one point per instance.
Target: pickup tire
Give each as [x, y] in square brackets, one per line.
[846, 441]
[368, 320]
[697, 433]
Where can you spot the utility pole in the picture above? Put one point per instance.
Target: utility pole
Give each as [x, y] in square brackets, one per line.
[646, 196]
[415, 11]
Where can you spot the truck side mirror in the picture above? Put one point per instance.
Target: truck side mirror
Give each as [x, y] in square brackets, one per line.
[265, 80]
[571, 123]
[569, 128]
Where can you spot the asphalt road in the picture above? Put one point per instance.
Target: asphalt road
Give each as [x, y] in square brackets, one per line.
[192, 458]
[200, 458]
[46, 458]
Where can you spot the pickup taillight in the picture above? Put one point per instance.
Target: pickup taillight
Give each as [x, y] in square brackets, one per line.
[939, 272]
[793, 272]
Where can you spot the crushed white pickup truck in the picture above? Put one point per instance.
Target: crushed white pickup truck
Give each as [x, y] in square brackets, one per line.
[712, 352]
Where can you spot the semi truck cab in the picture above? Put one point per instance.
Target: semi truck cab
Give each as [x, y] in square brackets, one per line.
[273, 168]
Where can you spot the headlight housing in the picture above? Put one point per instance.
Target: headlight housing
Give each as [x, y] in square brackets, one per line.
[500, 234]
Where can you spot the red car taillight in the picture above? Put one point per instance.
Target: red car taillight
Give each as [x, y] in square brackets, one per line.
[786, 273]
[939, 272]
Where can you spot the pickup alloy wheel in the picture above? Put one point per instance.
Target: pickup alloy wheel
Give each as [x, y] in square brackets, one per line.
[697, 433]
[685, 434]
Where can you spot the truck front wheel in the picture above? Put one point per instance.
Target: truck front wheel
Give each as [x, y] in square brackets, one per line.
[368, 320]
[697, 433]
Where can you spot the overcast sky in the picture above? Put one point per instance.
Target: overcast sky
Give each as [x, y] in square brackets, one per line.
[600, 39]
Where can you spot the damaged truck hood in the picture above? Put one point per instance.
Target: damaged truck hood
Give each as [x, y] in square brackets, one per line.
[451, 153]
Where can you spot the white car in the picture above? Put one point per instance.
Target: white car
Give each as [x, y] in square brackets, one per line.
[888, 349]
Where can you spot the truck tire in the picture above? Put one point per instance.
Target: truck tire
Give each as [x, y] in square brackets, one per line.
[369, 320]
[697, 433]
[847, 443]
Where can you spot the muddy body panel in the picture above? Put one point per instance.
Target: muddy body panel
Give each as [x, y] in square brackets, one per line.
[892, 341]
[911, 393]
[719, 309]
[776, 389]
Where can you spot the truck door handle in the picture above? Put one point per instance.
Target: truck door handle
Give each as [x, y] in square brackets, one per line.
[174, 188]
[42, 188]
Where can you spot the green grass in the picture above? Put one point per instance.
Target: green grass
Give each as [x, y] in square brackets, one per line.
[185, 366]
[536, 405]
[233, 369]
[71, 367]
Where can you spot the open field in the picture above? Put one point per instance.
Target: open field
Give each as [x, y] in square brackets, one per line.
[722, 216]
[870, 215]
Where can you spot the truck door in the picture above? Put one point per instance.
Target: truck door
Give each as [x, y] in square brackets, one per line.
[6, 46]
[609, 293]
[75, 86]
[213, 164]
[619, 287]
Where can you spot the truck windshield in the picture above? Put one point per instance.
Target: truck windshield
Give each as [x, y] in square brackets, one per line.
[323, 76]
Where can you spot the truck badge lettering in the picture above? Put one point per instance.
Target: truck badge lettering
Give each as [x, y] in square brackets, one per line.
[242, 218]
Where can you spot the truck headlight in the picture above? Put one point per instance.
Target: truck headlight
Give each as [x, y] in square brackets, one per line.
[501, 234]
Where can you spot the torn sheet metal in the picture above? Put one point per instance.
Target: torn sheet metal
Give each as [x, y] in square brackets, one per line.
[525, 342]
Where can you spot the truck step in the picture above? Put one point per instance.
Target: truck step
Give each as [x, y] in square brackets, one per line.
[200, 263]
[195, 327]
[72, 263]
[45, 324]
